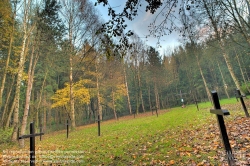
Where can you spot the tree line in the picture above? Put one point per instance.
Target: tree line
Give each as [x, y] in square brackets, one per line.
[59, 62]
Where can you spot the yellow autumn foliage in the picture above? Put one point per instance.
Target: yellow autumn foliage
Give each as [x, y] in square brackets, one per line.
[120, 91]
[81, 94]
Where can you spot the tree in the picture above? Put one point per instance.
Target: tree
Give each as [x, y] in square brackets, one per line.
[47, 29]
[26, 30]
[215, 15]
[126, 86]
[7, 27]
[238, 10]
[193, 37]
[155, 69]
[137, 56]
[79, 16]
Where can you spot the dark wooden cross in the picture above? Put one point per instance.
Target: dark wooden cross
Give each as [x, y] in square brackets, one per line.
[67, 127]
[180, 94]
[196, 103]
[99, 125]
[32, 136]
[220, 113]
[155, 109]
[238, 95]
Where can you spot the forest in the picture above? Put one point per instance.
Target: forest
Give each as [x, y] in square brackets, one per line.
[59, 63]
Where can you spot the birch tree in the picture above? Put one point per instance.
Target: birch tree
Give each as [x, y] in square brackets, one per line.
[26, 30]
[216, 19]
[78, 17]
[45, 25]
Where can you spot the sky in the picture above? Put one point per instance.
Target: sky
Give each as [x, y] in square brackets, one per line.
[140, 26]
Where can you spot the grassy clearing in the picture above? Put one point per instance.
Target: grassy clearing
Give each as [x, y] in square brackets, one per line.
[179, 136]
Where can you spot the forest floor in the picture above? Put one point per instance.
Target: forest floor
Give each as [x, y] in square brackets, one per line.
[178, 136]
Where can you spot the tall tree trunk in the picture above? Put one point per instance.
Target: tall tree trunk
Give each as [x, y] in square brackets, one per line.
[223, 80]
[6, 105]
[203, 78]
[157, 103]
[127, 91]
[41, 94]
[149, 98]
[221, 44]
[18, 87]
[140, 90]
[72, 101]
[44, 119]
[99, 107]
[137, 97]
[113, 103]
[242, 73]
[7, 124]
[25, 42]
[8, 57]
[71, 91]
[31, 71]
[248, 8]
[229, 66]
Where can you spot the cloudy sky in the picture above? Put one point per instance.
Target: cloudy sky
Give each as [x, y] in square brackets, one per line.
[140, 25]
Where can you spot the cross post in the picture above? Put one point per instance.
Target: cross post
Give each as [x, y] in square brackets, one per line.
[156, 110]
[67, 124]
[99, 125]
[220, 113]
[196, 103]
[32, 136]
[182, 100]
[238, 95]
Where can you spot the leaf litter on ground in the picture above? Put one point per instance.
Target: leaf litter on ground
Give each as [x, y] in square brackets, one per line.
[193, 143]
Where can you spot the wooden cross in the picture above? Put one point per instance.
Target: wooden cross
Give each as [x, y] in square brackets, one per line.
[181, 95]
[220, 113]
[99, 125]
[67, 124]
[196, 103]
[32, 136]
[156, 110]
[238, 95]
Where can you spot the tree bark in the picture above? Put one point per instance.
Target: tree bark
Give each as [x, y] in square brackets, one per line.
[24, 50]
[99, 107]
[32, 65]
[157, 103]
[221, 44]
[7, 124]
[18, 87]
[8, 58]
[242, 73]
[71, 91]
[72, 101]
[140, 89]
[44, 119]
[40, 95]
[126, 86]
[229, 66]
[113, 103]
[204, 80]
[3, 121]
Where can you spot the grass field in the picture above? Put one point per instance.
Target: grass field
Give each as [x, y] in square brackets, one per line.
[178, 136]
